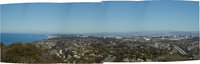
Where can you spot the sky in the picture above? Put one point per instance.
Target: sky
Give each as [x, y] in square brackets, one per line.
[107, 16]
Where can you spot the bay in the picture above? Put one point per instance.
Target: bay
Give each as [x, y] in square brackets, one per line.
[9, 38]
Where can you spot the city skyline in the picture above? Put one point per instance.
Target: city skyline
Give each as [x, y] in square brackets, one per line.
[119, 16]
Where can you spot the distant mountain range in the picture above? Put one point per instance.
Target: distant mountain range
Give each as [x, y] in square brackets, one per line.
[139, 33]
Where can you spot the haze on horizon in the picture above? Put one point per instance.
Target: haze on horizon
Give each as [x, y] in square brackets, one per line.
[120, 16]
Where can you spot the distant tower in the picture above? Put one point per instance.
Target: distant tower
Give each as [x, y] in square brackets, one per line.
[186, 37]
[163, 37]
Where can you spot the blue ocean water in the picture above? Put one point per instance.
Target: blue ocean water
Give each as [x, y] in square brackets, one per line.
[8, 38]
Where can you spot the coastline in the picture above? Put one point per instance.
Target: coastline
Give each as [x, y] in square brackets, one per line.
[9, 38]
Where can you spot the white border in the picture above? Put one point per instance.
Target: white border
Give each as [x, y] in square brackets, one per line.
[177, 62]
[68, 1]
[57, 1]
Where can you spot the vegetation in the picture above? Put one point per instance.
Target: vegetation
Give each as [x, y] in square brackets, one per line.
[26, 53]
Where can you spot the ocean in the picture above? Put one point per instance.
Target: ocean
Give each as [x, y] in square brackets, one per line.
[9, 38]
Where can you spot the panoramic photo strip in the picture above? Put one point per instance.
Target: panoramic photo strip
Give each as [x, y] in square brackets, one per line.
[98, 32]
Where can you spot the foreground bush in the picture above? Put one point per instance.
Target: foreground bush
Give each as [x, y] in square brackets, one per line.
[26, 53]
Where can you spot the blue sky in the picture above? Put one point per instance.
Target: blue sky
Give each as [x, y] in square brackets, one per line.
[120, 16]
